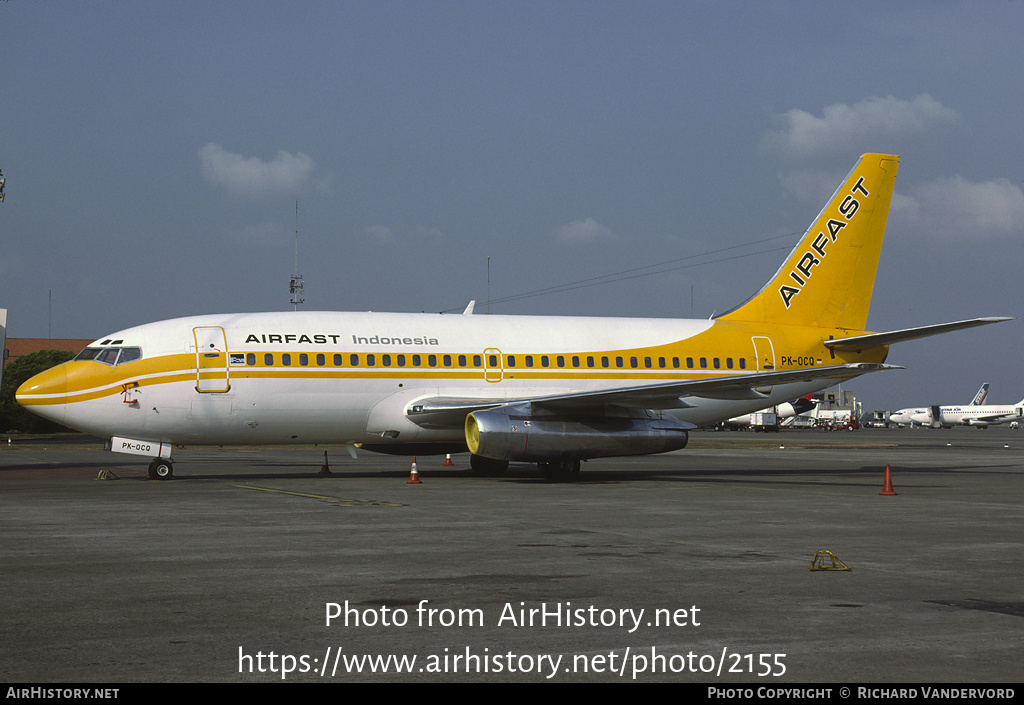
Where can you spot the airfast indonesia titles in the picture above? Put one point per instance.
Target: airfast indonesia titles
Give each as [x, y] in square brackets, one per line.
[335, 339]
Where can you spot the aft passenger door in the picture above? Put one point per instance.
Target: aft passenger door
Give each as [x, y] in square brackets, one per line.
[211, 359]
[764, 358]
[764, 353]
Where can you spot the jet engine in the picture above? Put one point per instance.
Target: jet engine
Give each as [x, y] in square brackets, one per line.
[514, 433]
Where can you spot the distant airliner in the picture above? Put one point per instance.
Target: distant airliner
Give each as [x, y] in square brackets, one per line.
[906, 416]
[782, 411]
[981, 416]
[550, 390]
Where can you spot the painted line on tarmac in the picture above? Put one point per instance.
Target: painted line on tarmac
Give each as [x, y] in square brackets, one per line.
[337, 501]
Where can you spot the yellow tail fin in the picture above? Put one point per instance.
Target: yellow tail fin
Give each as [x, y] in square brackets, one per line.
[828, 278]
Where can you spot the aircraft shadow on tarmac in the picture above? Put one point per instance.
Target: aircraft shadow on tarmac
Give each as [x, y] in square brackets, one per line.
[525, 473]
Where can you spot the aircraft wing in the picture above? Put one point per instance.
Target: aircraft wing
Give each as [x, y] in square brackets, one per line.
[450, 412]
[859, 342]
[989, 418]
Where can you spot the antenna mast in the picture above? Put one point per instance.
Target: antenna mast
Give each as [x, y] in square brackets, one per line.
[296, 285]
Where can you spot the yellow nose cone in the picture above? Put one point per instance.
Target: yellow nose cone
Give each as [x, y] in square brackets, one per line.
[46, 393]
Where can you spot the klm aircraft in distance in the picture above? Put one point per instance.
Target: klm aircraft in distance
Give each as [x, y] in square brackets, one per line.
[543, 389]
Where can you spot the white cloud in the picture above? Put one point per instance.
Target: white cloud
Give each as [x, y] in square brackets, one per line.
[811, 186]
[803, 134]
[958, 208]
[250, 176]
[583, 231]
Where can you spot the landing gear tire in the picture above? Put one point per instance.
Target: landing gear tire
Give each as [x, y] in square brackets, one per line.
[560, 470]
[161, 469]
[487, 466]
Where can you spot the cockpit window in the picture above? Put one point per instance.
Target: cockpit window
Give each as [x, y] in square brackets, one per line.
[129, 354]
[110, 356]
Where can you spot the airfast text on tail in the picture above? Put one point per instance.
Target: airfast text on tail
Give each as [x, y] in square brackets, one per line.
[828, 278]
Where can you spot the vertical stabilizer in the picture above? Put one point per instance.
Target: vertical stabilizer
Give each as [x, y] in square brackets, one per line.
[828, 278]
[981, 396]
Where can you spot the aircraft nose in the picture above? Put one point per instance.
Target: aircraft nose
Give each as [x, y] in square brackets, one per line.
[45, 394]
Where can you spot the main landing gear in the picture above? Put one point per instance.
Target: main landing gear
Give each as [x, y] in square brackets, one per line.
[553, 470]
[560, 470]
[487, 466]
[161, 469]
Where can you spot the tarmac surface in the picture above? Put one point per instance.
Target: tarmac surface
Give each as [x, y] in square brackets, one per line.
[691, 567]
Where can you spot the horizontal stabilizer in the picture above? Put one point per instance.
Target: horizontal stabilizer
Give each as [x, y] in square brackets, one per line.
[859, 342]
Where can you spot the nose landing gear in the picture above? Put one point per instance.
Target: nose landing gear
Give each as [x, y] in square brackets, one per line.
[161, 469]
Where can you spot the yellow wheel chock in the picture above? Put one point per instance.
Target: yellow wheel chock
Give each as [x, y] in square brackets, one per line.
[826, 560]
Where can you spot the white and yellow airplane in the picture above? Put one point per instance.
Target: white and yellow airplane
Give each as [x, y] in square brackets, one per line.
[550, 390]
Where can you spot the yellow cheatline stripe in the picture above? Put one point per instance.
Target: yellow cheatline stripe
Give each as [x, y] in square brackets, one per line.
[113, 383]
[325, 498]
[410, 374]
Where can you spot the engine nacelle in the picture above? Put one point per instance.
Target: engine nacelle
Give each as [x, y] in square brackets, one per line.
[504, 434]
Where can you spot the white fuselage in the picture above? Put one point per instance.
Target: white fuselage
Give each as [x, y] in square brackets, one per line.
[307, 377]
[984, 415]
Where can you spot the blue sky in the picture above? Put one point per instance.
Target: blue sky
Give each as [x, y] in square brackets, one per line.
[155, 152]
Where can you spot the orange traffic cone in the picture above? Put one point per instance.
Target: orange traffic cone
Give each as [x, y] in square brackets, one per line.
[887, 487]
[414, 476]
[448, 460]
[325, 470]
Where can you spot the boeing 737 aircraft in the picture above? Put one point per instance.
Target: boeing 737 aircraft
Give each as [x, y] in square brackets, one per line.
[550, 390]
[981, 416]
[906, 416]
